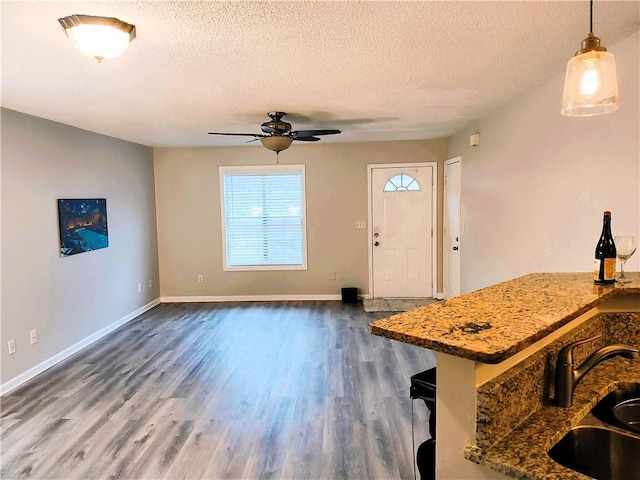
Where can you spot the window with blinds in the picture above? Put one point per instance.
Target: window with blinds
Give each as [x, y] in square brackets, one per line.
[263, 217]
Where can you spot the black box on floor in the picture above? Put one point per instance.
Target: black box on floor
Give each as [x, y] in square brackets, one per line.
[349, 295]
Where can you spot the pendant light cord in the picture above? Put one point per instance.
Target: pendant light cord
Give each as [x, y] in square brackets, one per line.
[591, 16]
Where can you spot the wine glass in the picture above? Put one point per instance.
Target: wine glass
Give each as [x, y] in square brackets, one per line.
[625, 246]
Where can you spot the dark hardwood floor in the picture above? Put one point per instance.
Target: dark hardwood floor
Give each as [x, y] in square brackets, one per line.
[296, 390]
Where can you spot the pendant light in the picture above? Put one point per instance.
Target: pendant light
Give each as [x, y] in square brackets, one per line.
[98, 37]
[590, 83]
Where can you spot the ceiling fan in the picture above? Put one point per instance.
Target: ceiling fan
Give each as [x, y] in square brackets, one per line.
[277, 134]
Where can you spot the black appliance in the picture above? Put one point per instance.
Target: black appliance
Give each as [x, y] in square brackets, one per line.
[423, 386]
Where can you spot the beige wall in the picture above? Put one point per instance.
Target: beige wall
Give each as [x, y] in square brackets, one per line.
[534, 190]
[188, 204]
[69, 300]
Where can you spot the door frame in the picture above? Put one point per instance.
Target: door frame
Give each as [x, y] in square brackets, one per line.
[445, 223]
[434, 219]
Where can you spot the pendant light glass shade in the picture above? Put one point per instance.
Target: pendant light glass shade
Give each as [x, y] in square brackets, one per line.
[591, 82]
[590, 85]
[98, 37]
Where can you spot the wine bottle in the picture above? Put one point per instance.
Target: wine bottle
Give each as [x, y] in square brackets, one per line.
[604, 266]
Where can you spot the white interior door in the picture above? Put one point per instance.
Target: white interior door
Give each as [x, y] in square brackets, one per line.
[451, 229]
[402, 231]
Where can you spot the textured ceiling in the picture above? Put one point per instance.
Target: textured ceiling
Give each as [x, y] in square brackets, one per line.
[376, 70]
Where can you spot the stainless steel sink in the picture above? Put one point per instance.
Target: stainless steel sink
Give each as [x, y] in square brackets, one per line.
[606, 443]
[620, 408]
[599, 452]
[627, 413]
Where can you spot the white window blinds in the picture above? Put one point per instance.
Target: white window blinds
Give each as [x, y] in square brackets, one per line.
[263, 217]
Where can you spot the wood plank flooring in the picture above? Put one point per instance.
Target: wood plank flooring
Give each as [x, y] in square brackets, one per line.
[288, 390]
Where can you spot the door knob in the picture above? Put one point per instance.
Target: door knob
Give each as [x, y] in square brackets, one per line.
[455, 249]
[376, 244]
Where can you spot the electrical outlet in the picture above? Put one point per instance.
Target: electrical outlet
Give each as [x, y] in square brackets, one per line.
[139, 287]
[200, 278]
[33, 336]
[150, 283]
[11, 345]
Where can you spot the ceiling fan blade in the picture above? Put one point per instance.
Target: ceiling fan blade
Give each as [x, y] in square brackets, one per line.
[312, 133]
[306, 139]
[257, 135]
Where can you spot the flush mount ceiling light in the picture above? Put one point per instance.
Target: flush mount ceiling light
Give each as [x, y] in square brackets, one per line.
[590, 83]
[98, 37]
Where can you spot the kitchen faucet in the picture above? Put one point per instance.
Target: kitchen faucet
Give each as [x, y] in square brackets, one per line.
[567, 377]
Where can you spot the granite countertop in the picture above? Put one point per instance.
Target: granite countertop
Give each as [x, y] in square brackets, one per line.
[523, 452]
[494, 323]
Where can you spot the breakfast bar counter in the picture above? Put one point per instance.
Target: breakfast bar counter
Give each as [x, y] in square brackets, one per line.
[494, 323]
[495, 354]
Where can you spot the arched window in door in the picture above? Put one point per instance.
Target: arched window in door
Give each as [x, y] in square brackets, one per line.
[401, 183]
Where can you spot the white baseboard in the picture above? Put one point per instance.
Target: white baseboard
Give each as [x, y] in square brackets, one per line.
[250, 298]
[15, 382]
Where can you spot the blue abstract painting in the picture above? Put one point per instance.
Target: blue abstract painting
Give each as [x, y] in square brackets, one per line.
[83, 225]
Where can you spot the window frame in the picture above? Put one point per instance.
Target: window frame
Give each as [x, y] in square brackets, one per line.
[263, 170]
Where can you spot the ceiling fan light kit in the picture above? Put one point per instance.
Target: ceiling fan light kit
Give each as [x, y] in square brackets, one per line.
[98, 37]
[276, 143]
[591, 83]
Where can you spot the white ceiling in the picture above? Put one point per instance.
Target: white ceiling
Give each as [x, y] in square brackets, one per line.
[375, 70]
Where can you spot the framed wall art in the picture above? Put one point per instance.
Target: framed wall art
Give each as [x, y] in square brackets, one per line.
[83, 225]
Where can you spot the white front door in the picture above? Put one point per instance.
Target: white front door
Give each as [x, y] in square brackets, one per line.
[401, 233]
[451, 229]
